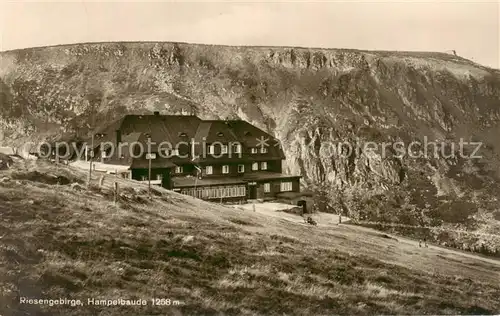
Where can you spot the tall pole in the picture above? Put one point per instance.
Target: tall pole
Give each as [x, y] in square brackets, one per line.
[116, 186]
[195, 183]
[149, 167]
[91, 159]
[149, 158]
[149, 178]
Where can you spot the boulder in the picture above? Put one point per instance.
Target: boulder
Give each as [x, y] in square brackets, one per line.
[76, 186]
[5, 162]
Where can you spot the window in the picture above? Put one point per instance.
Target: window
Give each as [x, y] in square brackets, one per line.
[254, 150]
[225, 169]
[211, 149]
[255, 166]
[209, 170]
[179, 169]
[220, 134]
[216, 192]
[211, 192]
[263, 150]
[263, 165]
[241, 168]
[159, 177]
[237, 148]
[285, 186]
[224, 149]
[204, 194]
[267, 187]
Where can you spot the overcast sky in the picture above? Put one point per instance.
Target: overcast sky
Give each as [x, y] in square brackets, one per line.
[471, 28]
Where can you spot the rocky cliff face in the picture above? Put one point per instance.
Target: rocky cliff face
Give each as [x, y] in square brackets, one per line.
[311, 99]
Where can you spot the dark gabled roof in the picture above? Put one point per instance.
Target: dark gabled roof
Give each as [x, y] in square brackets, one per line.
[162, 128]
[132, 137]
[182, 124]
[113, 126]
[202, 131]
[250, 134]
[177, 129]
[211, 131]
[108, 133]
[215, 131]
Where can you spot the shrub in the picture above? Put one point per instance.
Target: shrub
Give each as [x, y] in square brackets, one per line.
[496, 215]
[457, 211]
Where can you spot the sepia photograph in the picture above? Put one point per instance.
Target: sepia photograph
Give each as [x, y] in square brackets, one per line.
[249, 158]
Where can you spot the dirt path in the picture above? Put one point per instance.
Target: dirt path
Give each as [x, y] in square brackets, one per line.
[274, 210]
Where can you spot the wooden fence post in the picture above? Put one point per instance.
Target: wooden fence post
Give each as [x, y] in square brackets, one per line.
[116, 192]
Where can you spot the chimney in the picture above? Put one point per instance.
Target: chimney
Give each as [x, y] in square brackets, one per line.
[118, 137]
[156, 113]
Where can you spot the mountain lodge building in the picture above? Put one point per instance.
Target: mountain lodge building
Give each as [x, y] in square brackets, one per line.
[220, 160]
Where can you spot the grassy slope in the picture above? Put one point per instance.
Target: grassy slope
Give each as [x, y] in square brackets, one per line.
[61, 242]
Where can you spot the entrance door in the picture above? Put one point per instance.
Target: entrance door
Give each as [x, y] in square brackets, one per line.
[304, 206]
[252, 192]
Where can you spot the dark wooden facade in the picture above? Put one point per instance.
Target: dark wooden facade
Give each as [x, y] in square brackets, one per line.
[257, 189]
[163, 174]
